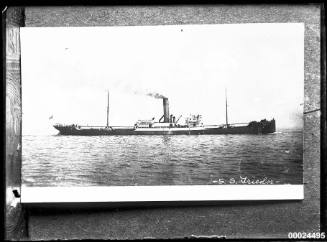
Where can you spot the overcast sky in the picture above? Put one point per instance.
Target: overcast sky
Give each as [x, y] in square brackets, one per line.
[66, 72]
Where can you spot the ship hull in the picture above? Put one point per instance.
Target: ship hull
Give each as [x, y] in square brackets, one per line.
[257, 128]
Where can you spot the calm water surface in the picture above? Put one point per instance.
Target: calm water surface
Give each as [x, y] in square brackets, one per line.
[161, 160]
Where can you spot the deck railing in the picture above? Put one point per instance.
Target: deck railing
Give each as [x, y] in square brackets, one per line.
[130, 127]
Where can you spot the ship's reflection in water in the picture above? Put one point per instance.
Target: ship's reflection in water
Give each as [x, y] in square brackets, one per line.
[161, 160]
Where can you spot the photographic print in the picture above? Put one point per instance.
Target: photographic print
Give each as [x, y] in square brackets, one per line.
[170, 105]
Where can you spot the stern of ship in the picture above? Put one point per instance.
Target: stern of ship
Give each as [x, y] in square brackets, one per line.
[65, 129]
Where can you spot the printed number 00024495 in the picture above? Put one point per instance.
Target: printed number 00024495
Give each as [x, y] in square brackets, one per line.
[305, 235]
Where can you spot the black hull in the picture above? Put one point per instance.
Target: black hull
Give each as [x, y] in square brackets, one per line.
[265, 127]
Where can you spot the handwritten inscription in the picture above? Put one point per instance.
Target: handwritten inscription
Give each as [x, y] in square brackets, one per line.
[245, 180]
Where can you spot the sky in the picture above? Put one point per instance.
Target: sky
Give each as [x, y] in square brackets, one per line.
[67, 71]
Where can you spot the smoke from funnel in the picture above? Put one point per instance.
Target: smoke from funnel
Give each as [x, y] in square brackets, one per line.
[156, 95]
[136, 91]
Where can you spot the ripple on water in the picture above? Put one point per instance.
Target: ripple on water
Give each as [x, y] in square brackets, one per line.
[160, 160]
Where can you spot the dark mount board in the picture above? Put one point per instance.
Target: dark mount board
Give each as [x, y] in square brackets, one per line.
[220, 220]
[15, 216]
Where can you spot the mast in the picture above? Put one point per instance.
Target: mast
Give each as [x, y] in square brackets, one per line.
[226, 108]
[108, 111]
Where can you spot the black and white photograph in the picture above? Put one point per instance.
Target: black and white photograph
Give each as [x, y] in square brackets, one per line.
[128, 122]
[166, 105]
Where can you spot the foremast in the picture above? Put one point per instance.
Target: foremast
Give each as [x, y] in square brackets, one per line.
[226, 108]
[108, 111]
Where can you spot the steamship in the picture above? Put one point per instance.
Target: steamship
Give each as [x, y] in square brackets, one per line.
[169, 125]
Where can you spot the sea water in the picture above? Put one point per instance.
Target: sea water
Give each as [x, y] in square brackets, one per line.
[56, 160]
